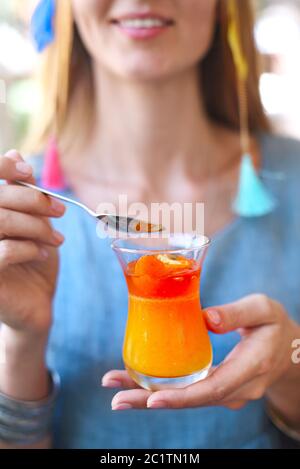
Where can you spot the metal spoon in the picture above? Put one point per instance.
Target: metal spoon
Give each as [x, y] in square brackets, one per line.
[118, 223]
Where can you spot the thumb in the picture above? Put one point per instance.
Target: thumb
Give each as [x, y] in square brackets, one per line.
[251, 311]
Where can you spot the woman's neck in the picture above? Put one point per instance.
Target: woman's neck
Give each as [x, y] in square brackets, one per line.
[155, 143]
[143, 128]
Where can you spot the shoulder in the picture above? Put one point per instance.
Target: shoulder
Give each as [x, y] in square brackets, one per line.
[281, 173]
[280, 154]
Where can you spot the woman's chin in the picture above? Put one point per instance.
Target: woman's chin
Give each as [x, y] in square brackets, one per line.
[140, 65]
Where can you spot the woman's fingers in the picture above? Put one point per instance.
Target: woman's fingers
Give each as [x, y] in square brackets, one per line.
[24, 225]
[208, 392]
[133, 399]
[238, 379]
[17, 252]
[236, 405]
[216, 388]
[123, 400]
[12, 167]
[251, 311]
[24, 199]
[118, 379]
[21, 225]
[14, 155]
[238, 369]
[138, 398]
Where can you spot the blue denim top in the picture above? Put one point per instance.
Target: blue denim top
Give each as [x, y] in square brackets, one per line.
[259, 255]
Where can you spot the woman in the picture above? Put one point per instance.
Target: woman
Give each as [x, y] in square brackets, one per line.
[151, 113]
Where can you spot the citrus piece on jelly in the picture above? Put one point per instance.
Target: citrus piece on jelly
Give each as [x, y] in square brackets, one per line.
[149, 265]
[174, 261]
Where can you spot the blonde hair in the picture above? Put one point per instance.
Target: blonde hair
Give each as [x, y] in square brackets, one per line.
[66, 80]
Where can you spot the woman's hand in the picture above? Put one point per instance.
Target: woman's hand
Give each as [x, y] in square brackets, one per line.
[28, 271]
[28, 250]
[260, 360]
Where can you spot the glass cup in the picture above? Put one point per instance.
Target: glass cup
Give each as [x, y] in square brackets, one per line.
[166, 343]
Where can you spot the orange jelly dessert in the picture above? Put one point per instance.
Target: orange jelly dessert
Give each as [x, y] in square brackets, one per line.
[166, 335]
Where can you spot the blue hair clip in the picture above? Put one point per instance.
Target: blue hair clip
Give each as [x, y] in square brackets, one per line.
[42, 24]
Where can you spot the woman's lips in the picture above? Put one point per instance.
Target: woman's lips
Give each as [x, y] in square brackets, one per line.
[142, 26]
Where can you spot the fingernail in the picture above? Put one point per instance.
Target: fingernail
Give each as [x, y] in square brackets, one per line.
[157, 405]
[44, 253]
[112, 383]
[123, 406]
[214, 317]
[57, 206]
[24, 168]
[58, 236]
[14, 154]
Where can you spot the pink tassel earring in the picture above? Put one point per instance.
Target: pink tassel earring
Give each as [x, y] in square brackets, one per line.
[52, 175]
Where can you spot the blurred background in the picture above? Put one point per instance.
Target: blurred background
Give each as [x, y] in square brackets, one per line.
[277, 33]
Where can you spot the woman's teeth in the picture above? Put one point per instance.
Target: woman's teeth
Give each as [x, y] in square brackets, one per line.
[143, 23]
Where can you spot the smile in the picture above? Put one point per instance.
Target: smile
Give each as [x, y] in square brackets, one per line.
[142, 26]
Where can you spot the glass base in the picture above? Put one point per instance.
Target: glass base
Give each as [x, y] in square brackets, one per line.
[151, 383]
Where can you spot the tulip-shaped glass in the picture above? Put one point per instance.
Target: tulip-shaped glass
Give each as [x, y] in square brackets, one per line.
[166, 342]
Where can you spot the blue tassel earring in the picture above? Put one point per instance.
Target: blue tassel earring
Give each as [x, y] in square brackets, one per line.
[253, 199]
[42, 24]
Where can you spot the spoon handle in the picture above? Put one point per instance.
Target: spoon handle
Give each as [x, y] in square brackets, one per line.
[58, 196]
